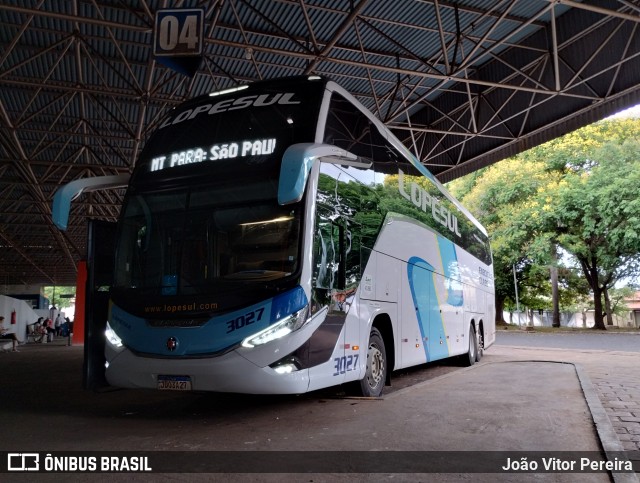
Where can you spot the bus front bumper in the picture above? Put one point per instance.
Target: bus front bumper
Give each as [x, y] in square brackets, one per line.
[226, 373]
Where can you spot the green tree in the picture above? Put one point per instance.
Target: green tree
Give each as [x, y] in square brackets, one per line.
[577, 192]
[574, 151]
[506, 200]
[597, 211]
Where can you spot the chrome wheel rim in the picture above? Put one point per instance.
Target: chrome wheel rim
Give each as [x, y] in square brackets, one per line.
[375, 371]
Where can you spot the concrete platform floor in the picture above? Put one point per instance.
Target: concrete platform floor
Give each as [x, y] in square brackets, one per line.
[510, 402]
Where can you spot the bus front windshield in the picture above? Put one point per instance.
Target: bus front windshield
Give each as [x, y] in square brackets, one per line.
[206, 240]
[201, 217]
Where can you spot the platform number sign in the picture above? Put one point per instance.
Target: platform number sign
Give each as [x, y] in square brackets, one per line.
[178, 32]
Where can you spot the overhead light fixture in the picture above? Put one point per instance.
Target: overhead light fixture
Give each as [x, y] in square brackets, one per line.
[229, 91]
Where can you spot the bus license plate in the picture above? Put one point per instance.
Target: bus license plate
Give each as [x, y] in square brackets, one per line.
[174, 383]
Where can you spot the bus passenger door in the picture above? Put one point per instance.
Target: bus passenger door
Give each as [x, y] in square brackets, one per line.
[448, 328]
[336, 275]
[415, 316]
[326, 347]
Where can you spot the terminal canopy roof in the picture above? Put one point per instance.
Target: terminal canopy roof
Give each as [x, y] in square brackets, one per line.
[463, 83]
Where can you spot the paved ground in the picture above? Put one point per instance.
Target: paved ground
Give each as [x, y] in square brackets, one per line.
[615, 374]
[517, 399]
[612, 340]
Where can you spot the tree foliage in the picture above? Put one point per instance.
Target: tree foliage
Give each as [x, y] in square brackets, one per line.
[54, 295]
[597, 212]
[507, 199]
[578, 192]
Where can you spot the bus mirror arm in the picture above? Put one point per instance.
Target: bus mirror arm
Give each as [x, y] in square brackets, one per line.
[297, 161]
[69, 192]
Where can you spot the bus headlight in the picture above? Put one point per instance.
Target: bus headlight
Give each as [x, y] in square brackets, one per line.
[281, 328]
[112, 337]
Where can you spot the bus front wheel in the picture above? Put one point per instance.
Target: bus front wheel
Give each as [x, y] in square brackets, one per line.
[372, 384]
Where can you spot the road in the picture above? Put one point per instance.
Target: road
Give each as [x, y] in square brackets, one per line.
[590, 340]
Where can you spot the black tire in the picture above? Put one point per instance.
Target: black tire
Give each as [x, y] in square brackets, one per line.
[480, 351]
[372, 384]
[469, 358]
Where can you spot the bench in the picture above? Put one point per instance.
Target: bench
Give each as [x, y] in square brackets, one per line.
[33, 335]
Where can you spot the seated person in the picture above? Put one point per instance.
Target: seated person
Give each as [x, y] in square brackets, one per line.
[48, 325]
[5, 334]
[39, 330]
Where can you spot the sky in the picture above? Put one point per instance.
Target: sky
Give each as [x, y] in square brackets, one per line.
[631, 112]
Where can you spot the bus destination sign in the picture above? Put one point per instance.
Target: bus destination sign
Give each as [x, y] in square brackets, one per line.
[232, 150]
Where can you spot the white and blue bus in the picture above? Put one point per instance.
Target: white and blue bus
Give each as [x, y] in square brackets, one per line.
[277, 238]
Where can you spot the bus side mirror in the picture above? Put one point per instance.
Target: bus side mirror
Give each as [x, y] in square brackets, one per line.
[70, 191]
[297, 161]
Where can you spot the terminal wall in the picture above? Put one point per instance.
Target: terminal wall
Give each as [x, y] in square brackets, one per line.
[24, 315]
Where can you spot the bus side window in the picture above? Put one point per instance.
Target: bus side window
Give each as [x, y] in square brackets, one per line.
[348, 128]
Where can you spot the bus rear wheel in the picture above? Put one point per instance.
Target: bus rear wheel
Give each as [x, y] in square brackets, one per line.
[372, 384]
[469, 358]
